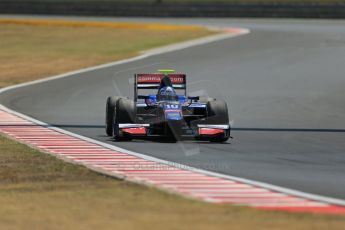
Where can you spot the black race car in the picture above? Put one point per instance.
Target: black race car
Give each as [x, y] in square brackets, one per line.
[165, 114]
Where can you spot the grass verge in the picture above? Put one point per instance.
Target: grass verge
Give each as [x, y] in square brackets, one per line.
[38, 191]
[33, 49]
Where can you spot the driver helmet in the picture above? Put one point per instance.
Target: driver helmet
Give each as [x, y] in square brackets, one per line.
[167, 93]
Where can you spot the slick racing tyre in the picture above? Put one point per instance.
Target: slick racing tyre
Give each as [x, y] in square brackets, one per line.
[124, 113]
[109, 114]
[217, 115]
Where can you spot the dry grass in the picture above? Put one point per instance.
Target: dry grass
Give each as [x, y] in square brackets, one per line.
[38, 191]
[105, 24]
[30, 52]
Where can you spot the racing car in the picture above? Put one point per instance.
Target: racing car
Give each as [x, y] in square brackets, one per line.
[159, 111]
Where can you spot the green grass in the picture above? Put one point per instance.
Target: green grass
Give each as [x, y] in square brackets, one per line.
[37, 191]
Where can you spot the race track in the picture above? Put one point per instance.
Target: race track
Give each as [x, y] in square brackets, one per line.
[284, 84]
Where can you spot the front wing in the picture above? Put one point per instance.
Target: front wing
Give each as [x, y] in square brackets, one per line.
[200, 132]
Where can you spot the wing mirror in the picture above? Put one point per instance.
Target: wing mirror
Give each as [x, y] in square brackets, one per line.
[195, 99]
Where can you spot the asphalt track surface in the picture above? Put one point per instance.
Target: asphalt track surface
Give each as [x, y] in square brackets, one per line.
[284, 83]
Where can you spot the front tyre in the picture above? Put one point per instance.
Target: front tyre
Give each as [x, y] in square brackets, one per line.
[217, 114]
[124, 113]
[109, 114]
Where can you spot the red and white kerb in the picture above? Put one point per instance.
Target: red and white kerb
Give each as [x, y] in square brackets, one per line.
[180, 180]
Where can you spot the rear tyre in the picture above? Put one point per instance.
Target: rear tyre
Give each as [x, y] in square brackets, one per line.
[124, 113]
[217, 114]
[109, 114]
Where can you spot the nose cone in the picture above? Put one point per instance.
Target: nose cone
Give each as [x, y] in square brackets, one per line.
[173, 116]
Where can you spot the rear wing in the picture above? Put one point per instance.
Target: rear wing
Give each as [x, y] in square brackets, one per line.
[152, 81]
